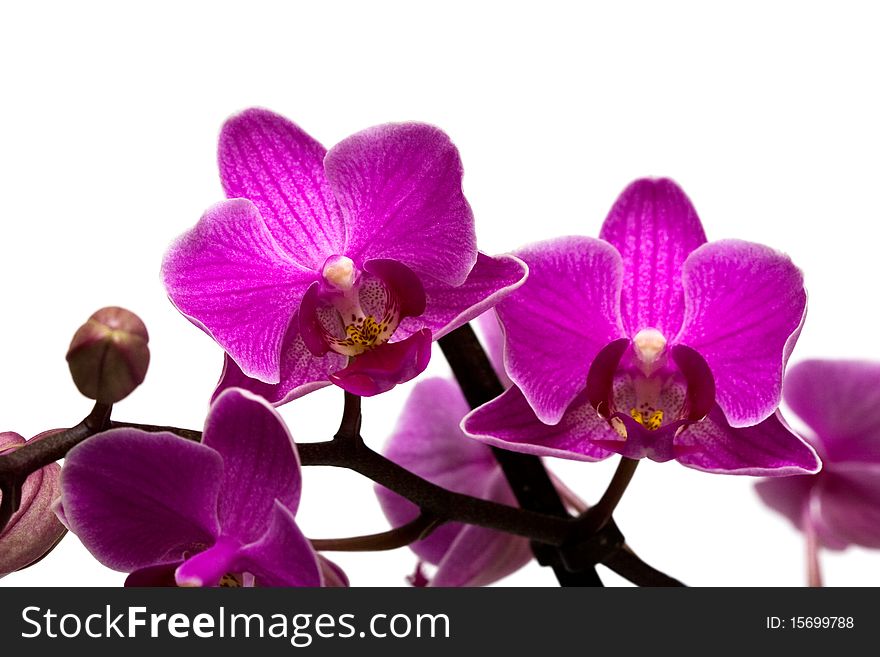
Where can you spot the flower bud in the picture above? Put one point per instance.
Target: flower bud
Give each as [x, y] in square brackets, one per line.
[108, 356]
[33, 531]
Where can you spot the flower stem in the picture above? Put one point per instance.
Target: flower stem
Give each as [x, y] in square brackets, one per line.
[16, 466]
[596, 517]
[526, 474]
[414, 530]
[350, 426]
[448, 506]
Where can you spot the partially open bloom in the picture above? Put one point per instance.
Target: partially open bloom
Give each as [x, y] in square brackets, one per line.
[333, 266]
[840, 403]
[216, 512]
[33, 530]
[429, 442]
[649, 342]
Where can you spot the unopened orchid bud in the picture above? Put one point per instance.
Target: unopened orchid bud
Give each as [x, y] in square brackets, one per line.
[33, 529]
[108, 356]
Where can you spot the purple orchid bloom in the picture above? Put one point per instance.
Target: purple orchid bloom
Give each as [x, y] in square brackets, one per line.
[336, 266]
[650, 342]
[840, 506]
[33, 530]
[429, 442]
[219, 511]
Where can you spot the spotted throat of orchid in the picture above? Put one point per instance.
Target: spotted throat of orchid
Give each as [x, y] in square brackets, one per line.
[654, 344]
[648, 391]
[354, 310]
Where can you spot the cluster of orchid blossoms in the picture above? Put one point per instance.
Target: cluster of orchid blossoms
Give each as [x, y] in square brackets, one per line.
[341, 267]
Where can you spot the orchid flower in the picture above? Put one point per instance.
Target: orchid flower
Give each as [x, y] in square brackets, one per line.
[650, 342]
[428, 441]
[216, 512]
[33, 530]
[334, 266]
[840, 506]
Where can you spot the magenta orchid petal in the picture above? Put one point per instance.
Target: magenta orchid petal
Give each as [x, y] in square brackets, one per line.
[283, 556]
[256, 473]
[447, 308]
[379, 370]
[136, 499]
[836, 399]
[274, 163]
[218, 512]
[480, 556]
[231, 278]
[767, 448]
[744, 306]
[840, 401]
[849, 504]
[655, 227]
[301, 372]
[565, 313]
[399, 188]
[509, 422]
[33, 529]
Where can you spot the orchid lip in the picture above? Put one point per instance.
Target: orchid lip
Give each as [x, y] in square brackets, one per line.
[649, 392]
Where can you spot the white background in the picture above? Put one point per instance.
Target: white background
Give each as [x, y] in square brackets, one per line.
[766, 113]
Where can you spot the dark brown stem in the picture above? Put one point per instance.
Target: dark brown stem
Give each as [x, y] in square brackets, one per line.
[449, 506]
[596, 517]
[433, 499]
[350, 426]
[16, 466]
[526, 474]
[413, 531]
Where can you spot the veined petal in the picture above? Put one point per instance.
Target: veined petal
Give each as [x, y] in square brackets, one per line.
[282, 556]
[260, 462]
[840, 401]
[136, 499]
[769, 448]
[480, 556]
[274, 163]
[301, 371]
[399, 188]
[447, 307]
[229, 276]
[379, 370]
[567, 310]
[744, 306]
[509, 422]
[849, 503]
[34, 529]
[427, 440]
[655, 227]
